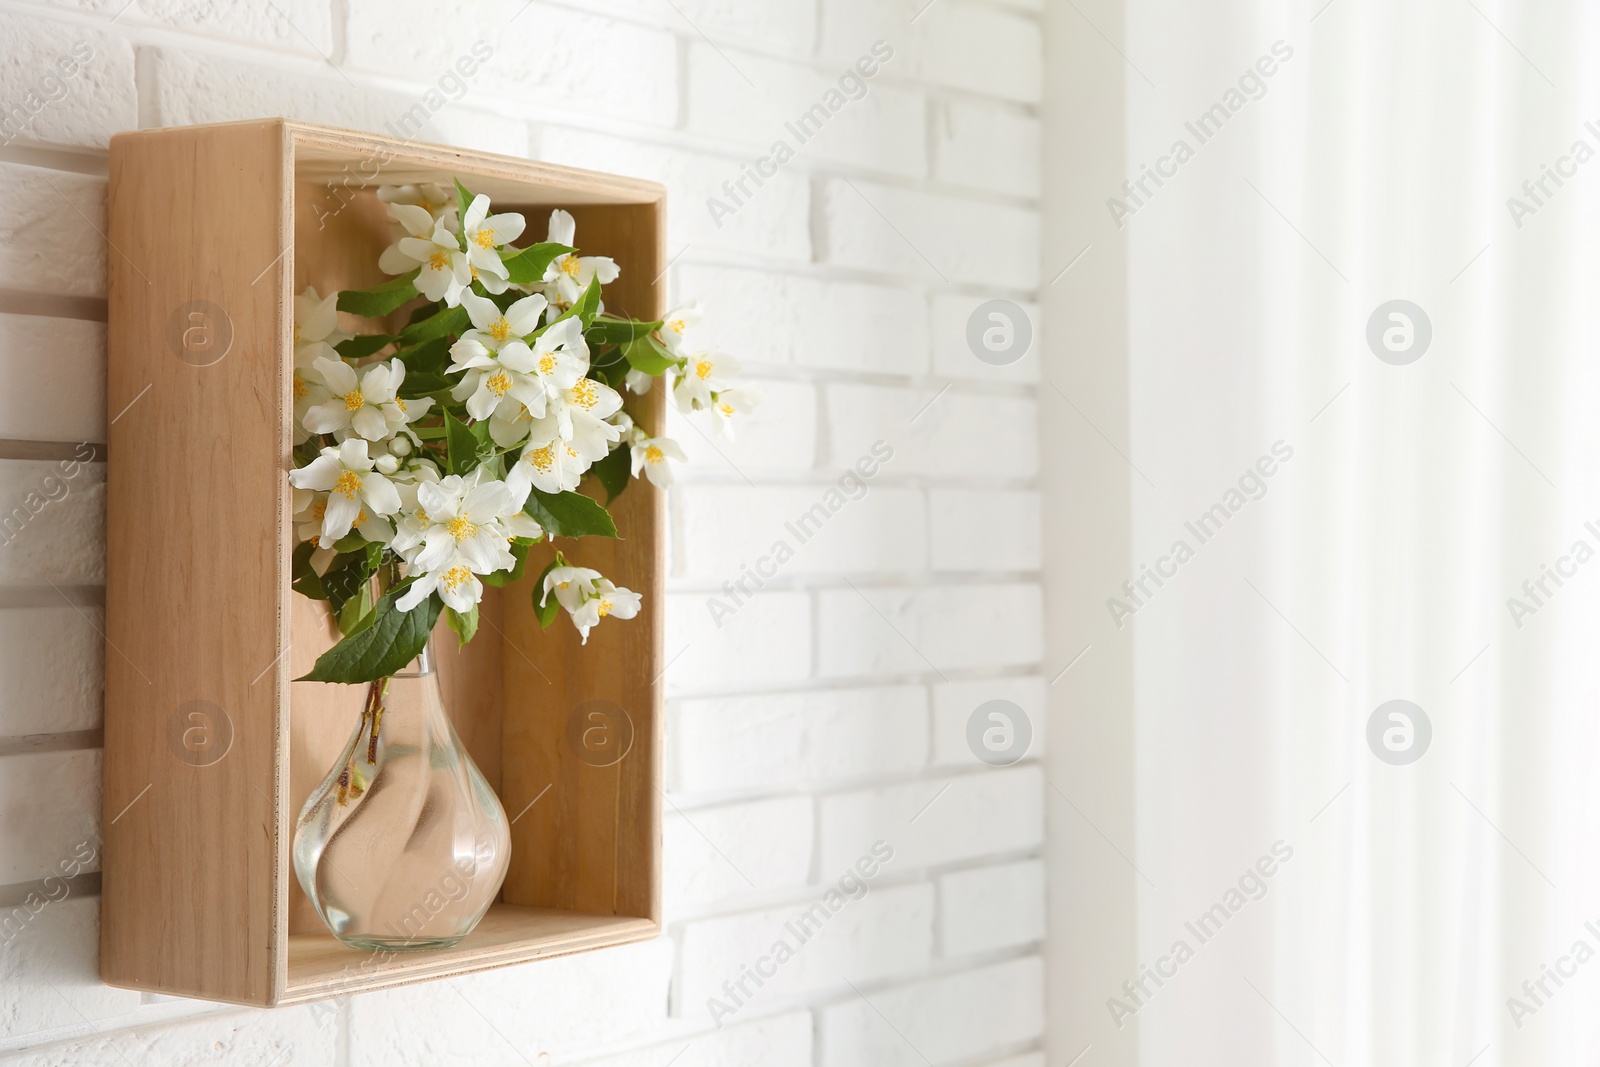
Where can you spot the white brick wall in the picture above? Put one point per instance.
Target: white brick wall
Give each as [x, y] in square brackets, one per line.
[886, 932]
[36, 695]
[821, 716]
[945, 1020]
[52, 239]
[991, 908]
[936, 821]
[55, 374]
[795, 739]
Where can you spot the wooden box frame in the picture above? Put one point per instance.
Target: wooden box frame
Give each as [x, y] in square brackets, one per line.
[207, 758]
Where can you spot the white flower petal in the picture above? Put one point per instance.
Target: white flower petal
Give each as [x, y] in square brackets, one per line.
[563, 228]
[339, 517]
[336, 374]
[418, 221]
[380, 494]
[353, 454]
[417, 592]
[319, 474]
[476, 212]
[369, 422]
[524, 314]
[436, 500]
[487, 502]
[326, 417]
[395, 261]
[507, 226]
[481, 310]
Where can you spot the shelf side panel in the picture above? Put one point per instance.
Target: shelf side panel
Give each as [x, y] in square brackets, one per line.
[197, 557]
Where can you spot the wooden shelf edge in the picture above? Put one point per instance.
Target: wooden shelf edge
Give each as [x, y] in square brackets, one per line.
[329, 969]
[617, 188]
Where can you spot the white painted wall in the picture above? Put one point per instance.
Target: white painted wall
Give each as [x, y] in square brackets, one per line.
[828, 713]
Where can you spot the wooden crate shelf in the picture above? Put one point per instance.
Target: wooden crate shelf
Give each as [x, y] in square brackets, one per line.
[199, 894]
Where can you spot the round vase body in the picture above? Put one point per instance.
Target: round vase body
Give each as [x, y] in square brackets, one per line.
[404, 845]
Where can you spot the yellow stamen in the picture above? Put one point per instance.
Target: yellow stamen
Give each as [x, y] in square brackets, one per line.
[500, 329]
[438, 261]
[547, 364]
[605, 608]
[461, 527]
[484, 238]
[353, 400]
[676, 325]
[422, 517]
[570, 266]
[349, 484]
[401, 404]
[703, 369]
[585, 393]
[726, 409]
[652, 454]
[499, 382]
[299, 386]
[543, 458]
[455, 577]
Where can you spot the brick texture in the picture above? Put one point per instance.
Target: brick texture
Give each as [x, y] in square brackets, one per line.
[816, 708]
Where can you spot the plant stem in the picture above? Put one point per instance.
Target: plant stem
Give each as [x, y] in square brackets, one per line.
[375, 698]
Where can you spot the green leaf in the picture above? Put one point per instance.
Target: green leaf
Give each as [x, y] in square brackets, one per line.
[385, 645]
[527, 265]
[615, 471]
[583, 309]
[425, 311]
[550, 607]
[363, 345]
[607, 365]
[347, 576]
[519, 549]
[607, 330]
[430, 357]
[350, 542]
[381, 299]
[588, 305]
[464, 625]
[306, 581]
[423, 384]
[356, 614]
[569, 515]
[308, 450]
[449, 321]
[648, 355]
[462, 445]
[463, 200]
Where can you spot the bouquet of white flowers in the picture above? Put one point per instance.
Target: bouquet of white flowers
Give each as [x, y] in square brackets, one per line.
[429, 460]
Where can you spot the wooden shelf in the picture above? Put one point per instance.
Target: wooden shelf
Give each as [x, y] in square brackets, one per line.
[321, 967]
[199, 895]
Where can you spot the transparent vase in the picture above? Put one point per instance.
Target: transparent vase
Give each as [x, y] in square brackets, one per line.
[404, 845]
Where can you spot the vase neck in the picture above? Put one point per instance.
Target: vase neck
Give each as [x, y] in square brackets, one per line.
[421, 666]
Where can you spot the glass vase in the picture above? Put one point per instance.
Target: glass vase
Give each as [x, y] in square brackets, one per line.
[404, 845]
